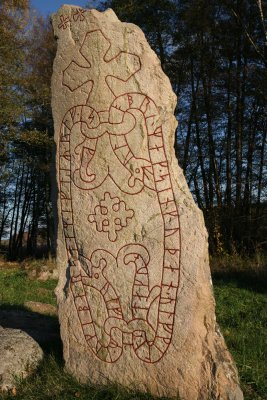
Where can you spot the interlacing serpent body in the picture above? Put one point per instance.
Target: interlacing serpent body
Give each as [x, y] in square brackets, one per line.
[127, 112]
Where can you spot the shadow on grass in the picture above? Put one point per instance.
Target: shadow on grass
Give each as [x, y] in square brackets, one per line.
[44, 329]
[243, 279]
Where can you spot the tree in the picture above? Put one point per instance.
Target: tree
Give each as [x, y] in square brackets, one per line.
[26, 127]
[13, 20]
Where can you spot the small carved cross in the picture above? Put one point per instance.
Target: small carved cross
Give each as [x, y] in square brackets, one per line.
[64, 20]
[78, 14]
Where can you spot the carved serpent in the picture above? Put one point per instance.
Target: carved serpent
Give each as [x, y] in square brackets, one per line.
[149, 343]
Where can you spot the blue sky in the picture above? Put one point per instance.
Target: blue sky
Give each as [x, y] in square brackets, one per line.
[46, 7]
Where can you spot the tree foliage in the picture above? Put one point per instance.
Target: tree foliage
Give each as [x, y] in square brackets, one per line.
[26, 129]
[215, 55]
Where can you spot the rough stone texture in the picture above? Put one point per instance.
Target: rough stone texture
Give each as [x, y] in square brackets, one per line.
[19, 356]
[134, 293]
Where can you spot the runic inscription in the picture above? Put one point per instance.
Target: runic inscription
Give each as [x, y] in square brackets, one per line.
[64, 21]
[78, 15]
[105, 129]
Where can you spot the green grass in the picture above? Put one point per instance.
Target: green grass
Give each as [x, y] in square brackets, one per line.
[16, 288]
[52, 383]
[241, 314]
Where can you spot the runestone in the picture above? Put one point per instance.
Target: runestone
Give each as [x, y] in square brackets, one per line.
[134, 293]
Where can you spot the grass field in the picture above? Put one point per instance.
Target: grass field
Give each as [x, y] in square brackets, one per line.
[16, 289]
[241, 313]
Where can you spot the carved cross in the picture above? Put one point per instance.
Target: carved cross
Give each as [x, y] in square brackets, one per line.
[95, 50]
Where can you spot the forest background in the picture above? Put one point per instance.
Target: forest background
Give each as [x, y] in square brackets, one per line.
[215, 54]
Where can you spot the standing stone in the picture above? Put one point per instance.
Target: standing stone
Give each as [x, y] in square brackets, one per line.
[135, 298]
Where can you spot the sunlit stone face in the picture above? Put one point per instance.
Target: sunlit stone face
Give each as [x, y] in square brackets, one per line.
[135, 302]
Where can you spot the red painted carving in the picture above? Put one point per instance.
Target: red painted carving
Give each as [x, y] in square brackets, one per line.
[111, 215]
[100, 64]
[108, 130]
